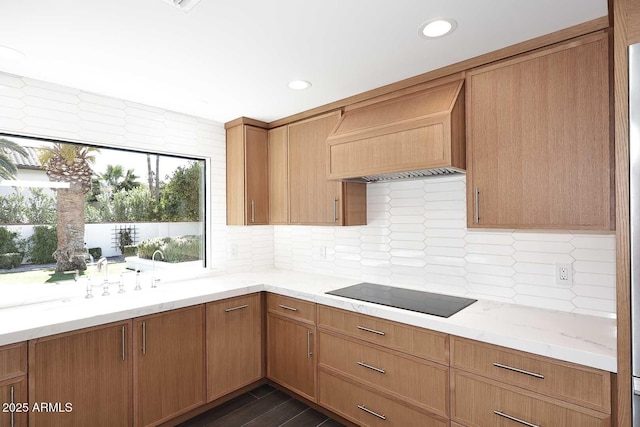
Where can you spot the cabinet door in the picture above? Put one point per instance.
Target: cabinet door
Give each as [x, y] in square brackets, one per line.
[247, 180]
[15, 405]
[538, 137]
[257, 200]
[234, 344]
[312, 198]
[279, 175]
[89, 370]
[169, 374]
[291, 355]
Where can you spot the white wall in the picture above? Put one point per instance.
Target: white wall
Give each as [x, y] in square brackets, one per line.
[416, 235]
[27, 175]
[35, 108]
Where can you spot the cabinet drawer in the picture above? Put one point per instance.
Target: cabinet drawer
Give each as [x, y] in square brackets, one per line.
[421, 383]
[573, 383]
[409, 339]
[292, 307]
[13, 360]
[369, 409]
[478, 402]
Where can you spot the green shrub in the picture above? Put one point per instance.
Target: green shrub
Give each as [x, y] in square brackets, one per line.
[10, 260]
[130, 250]
[147, 247]
[177, 249]
[96, 253]
[42, 244]
[9, 241]
[184, 248]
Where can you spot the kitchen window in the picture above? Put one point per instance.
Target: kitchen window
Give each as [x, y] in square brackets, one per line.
[66, 206]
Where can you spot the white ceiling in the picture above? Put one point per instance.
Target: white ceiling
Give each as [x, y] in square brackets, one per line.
[239, 55]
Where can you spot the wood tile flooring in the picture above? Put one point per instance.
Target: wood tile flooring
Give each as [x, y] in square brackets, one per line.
[264, 406]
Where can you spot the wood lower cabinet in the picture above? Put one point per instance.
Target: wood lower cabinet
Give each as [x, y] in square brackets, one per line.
[411, 380]
[481, 402]
[539, 147]
[15, 403]
[13, 360]
[573, 383]
[313, 199]
[367, 408]
[376, 372]
[291, 344]
[169, 364]
[291, 359]
[234, 344]
[85, 374]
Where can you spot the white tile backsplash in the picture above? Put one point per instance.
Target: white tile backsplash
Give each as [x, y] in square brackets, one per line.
[417, 236]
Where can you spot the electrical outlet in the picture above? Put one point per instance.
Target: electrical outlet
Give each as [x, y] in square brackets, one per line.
[232, 251]
[563, 274]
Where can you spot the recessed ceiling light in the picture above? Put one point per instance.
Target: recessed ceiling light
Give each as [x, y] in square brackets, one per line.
[10, 53]
[299, 85]
[437, 28]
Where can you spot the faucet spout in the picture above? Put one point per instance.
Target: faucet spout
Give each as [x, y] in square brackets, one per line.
[154, 280]
[103, 261]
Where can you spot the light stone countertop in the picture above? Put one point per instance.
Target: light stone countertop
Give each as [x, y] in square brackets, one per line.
[586, 340]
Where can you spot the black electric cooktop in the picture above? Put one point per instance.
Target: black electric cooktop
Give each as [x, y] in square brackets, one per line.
[408, 299]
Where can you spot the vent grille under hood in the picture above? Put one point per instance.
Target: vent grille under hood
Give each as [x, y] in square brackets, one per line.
[417, 174]
[415, 133]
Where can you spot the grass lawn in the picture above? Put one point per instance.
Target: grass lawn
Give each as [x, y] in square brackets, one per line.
[50, 276]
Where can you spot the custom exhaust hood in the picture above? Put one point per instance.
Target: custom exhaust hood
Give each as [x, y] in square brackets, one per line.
[411, 134]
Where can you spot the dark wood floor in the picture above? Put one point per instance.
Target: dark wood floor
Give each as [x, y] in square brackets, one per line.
[264, 406]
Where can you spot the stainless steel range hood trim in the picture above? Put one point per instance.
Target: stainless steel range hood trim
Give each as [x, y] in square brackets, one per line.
[408, 175]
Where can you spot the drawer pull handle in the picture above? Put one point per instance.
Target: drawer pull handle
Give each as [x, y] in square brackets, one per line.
[309, 353]
[373, 368]
[520, 371]
[518, 420]
[369, 411]
[240, 307]
[286, 307]
[373, 331]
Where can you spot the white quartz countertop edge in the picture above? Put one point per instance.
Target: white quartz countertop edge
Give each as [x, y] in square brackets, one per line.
[585, 340]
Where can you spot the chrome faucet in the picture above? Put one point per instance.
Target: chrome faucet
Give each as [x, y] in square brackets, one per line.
[103, 261]
[154, 280]
[105, 283]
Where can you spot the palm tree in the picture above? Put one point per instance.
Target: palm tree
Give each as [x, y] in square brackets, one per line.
[115, 177]
[69, 163]
[8, 170]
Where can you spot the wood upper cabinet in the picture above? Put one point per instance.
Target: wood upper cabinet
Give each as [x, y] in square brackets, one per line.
[539, 140]
[291, 344]
[247, 177]
[234, 344]
[313, 199]
[279, 175]
[169, 364]
[87, 369]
